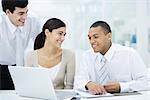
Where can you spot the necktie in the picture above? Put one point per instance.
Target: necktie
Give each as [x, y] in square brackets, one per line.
[19, 48]
[102, 70]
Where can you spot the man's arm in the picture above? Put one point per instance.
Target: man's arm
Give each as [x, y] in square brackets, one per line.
[139, 76]
[83, 78]
[138, 80]
[81, 72]
[36, 25]
[113, 87]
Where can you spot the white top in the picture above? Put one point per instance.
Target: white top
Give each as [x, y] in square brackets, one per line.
[31, 28]
[126, 67]
[53, 71]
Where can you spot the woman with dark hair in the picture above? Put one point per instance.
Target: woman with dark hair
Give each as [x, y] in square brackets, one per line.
[49, 54]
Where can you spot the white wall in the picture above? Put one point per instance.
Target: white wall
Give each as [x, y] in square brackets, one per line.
[143, 29]
[126, 18]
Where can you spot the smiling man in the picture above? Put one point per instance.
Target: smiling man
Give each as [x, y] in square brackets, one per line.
[109, 67]
[17, 27]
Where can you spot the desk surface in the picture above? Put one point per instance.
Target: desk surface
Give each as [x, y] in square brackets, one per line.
[11, 95]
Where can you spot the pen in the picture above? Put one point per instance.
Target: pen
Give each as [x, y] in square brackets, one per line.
[75, 98]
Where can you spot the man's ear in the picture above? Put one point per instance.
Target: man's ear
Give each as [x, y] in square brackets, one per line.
[7, 11]
[109, 35]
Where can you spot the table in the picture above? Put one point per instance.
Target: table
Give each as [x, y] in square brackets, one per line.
[11, 95]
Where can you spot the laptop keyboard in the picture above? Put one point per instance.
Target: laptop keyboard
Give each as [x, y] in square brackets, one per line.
[65, 94]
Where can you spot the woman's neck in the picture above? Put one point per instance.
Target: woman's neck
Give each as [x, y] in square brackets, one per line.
[49, 50]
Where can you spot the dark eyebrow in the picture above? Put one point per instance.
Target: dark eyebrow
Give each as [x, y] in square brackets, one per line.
[23, 12]
[60, 31]
[93, 35]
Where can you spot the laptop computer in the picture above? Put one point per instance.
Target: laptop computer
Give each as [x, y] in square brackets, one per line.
[32, 82]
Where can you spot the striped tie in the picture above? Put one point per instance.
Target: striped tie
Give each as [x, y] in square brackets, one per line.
[102, 70]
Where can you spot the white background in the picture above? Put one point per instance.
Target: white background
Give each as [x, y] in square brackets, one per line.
[126, 18]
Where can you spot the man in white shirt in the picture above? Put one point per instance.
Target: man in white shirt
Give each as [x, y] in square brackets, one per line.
[15, 17]
[126, 70]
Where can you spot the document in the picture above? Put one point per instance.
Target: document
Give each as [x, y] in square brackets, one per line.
[86, 94]
[81, 95]
[127, 93]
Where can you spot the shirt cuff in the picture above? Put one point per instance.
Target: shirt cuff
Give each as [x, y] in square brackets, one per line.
[81, 85]
[84, 85]
[124, 87]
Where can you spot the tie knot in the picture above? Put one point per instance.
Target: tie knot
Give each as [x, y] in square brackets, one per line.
[100, 59]
[18, 30]
[103, 59]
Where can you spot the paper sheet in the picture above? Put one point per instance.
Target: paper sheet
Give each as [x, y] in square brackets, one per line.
[86, 94]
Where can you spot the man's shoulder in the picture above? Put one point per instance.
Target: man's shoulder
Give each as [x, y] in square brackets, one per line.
[121, 48]
[32, 17]
[89, 53]
[31, 14]
[2, 20]
[33, 24]
[1, 17]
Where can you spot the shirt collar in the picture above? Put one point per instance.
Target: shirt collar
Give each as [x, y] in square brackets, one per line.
[96, 55]
[12, 27]
[109, 54]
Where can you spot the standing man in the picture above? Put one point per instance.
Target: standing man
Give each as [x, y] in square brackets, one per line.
[109, 67]
[17, 27]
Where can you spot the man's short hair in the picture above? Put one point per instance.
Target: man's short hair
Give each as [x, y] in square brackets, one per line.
[102, 24]
[11, 4]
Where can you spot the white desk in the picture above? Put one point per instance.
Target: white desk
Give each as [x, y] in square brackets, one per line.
[11, 95]
[143, 96]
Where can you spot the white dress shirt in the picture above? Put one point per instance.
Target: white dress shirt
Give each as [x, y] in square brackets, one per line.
[126, 67]
[31, 28]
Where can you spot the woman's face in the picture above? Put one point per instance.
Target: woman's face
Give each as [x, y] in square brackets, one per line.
[57, 36]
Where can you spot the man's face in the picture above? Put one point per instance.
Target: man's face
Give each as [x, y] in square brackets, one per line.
[99, 39]
[18, 17]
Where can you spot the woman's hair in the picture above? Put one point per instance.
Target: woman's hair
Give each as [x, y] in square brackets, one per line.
[50, 24]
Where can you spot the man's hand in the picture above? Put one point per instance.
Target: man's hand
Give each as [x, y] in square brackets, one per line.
[95, 88]
[112, 87]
